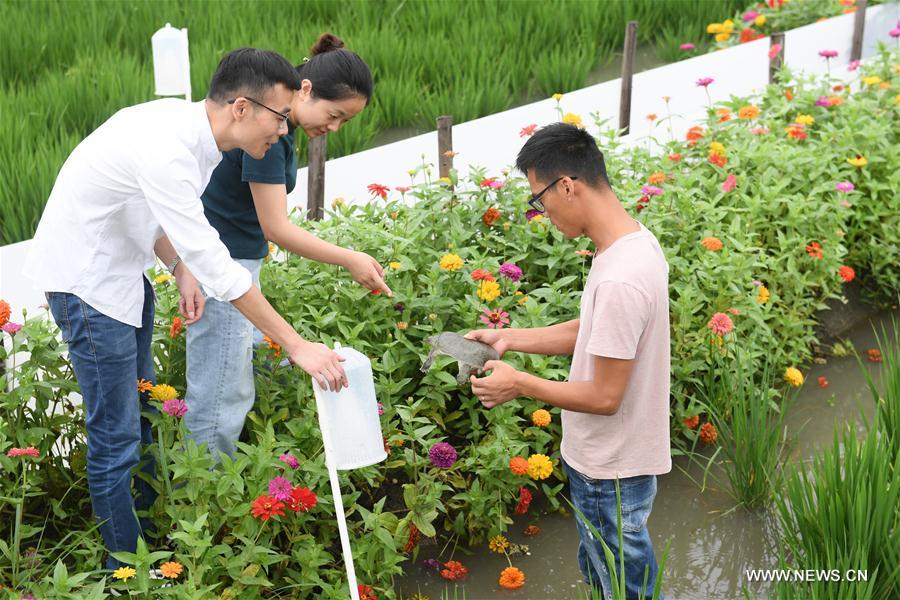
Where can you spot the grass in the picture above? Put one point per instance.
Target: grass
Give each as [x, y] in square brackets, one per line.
[65, 67]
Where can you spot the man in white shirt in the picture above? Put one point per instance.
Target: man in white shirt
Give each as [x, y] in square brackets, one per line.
[130, 188]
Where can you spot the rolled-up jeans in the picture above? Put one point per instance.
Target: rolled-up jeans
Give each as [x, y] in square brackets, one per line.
[220, 388]
[109, 357]
[596, 499]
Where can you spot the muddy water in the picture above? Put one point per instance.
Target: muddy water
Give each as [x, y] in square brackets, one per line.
[711, 544]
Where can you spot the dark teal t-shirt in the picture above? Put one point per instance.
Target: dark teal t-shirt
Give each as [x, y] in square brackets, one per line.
[227, 200]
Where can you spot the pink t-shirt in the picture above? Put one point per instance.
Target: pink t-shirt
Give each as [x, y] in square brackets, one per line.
[624, 314]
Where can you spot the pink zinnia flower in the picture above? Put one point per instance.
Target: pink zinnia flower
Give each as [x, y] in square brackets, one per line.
[491, 182]
[402, 189]
[528, 130]
[511, 271]
[280, 488]
[853, 65]
[495, 319]
[750, 15]
[704, 81]
[720, 324]
[29, 451]
[651, 190]
[759, 130]
[729, 184]
[687, 46]
[442, 455]
[844, 186]
[532, 213]
[895, 32]
[175, 407]
[828, 53]
[380, 409]
[823, 101]
[774, 51]
[290, 460]
[11, 328]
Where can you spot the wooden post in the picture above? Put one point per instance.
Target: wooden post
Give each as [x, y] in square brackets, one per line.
[445, 145]
[627, 72]
[859, 25]
[775, 63]
[315, 195]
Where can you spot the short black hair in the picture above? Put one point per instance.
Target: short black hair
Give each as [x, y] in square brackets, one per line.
[335, 72]
[251, 72]
[561, 149]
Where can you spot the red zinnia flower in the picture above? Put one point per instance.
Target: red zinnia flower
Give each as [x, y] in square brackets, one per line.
[366, 592]
[413, 540]
[847, 273]
[482, 274]
[692, 422]
[708, 433]
[531, 531]
[454, 571]
[823, 382]
[874, 354]
[527, 130]
[642, 202]
[694, 134]
[266, 507]
[490, 216]
[524, 500]
[717, 159]
[302, 499]
[376, 189]
[675, 157]
[814, 250]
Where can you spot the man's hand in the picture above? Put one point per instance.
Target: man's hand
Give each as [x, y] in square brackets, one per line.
[366, 271]
[322, 363]
[495, 338]
[192, 299]
[499, 387]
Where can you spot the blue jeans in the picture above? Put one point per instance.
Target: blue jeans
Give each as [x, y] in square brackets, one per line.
[220, 387]
[109, 357]
[596, 499]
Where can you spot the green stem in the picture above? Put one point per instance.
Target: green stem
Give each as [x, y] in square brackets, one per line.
[17, 535]
[163, 461]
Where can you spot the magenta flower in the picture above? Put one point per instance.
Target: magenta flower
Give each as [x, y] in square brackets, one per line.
[380, 409]
[280, 488]
[844, 186]
[431, 564]
[532, 213]
[853, 65]
[823, 101]
[442, 455]
[510, 271]
[176, 408]
[651, 190]
[750, 15]
[495, 319]
[774, 51]
[290, 460]
[29, 451]
[729, 183]
[11, 328]
[686, 47]
[895, 32]
[704, 81]
[828, 53]
[720, 324]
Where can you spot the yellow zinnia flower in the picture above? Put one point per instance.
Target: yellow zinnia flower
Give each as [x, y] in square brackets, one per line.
[488, 290]
[162, 392]
[793, 376]
[124, 573]
[499, 544]
[748, 112]
[760, 20]
[445, 181]
[859, 161]
[872, 80]
[162, 278]
[557, 96]
[763, 296]
[722, 37]
[714, 28]
[572, 119]
[805, 119]
[727, 25]
[540, 417]
[539, 466]
[451, 262]
[717, 149]
[394, 265]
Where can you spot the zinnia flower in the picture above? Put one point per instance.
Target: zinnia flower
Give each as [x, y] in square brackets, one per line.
[524, 500]
[828, 53]
[163, 278]
[760, 20]
[531, 531]
[162, 392]
[454, 571]
[823, 382]
[572, 119]
[805, 119]
[642, 203]
[793, 376]
[488, 290]
[376, 189]
[402, 325]
[442, 455]
[280, 488]
[540, 417]
[704, 81]
[712, 243]
[708, 433]
[490, 216]
[366, 592]
[394, 264]
[511, 271]
[532, 214]
[796, 132]
[774, 51]
[302, 499]
[750, 15]
[171, 569]
[518, 465]
[124, 573]
[717, 159]
[844, 186]
[686, 47]
[412, 540]
[528, 130]
[557, 96]
[847, 273]
[853, 65]
[539, 466]
[748, 112]
[431, 564]
[762, 295]
[692, 422]
[720, 324]
[874, 354]
[175, 407]
[11, 328]
[482, 275]
[511, 578]
[272, 345]
[651, 117]
[858, 161]
[823, 101]
[451, 262]
[402, 189]
[814, 250]
[290, 460]
[657, 177]
[675, 157]
[29, 451]
[175, 329]
[495, 319]
[724, 114]
[693, 134]
[144, 386]
[759, 130]
[498, 544]
[266, 507]
[491, 182]
[651, 190]
[729, 183]
[4, 312]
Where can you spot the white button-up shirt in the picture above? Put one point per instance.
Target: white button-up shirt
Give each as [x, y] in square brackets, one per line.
[135, 178]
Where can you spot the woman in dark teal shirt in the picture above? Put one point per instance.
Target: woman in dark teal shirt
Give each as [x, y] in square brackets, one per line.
[246, 201]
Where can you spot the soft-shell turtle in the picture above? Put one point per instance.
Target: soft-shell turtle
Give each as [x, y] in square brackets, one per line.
[469, 354]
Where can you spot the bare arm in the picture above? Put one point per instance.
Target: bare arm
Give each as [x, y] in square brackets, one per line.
[192, 301]
[555, 340]
[270, 200]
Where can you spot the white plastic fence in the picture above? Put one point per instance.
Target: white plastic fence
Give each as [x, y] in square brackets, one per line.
[492, 142]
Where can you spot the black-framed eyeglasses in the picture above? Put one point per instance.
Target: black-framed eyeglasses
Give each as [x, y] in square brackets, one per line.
[535, 201]
[283, 116]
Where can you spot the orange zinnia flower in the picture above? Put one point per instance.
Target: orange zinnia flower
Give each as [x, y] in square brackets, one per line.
[144, 386]
[4, 312]
[874, 354]
[692, 422]
[694, 134]
[176, 327]
[171, 569]
[847, 273]
[512, 578]
[518, 465]
[717, 159]
[712, 243]
[657, 177]
[708, 433]
[272, 345]
[490, 216]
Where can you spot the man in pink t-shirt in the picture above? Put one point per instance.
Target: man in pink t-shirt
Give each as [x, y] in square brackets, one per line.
[615, 404]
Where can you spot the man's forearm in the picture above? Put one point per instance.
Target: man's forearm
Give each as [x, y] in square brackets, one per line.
[303, 243]
[577, 396]
[556, 340]
[258, 311]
